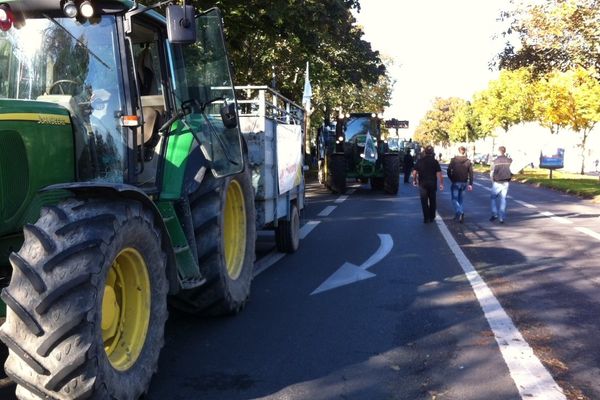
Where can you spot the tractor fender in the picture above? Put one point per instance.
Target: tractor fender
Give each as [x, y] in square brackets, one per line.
[124, 191]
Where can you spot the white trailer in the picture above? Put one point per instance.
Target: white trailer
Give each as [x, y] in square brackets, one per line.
[273, 127]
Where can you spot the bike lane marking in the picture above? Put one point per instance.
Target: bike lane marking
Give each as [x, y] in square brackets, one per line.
[532, 379]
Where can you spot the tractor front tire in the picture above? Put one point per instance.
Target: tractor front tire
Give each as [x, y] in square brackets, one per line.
[224, 220]
[391, 173]
[337, 173]
[87, 302]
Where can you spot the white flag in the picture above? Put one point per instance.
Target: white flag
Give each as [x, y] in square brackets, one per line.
[306, 96]
[370, 149]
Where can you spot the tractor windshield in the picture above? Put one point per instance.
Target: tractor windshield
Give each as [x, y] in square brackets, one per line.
[74, 64]
[203, 80]
[359, 126]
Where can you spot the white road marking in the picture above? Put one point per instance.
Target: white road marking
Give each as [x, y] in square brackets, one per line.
[307, 228]
[267, 261]
[326, 211]
[489, 189]
[349, 273]
[385, 246]
[560, 220]
[589, 232]
[524, 204]
[341, 199]
[532, 380]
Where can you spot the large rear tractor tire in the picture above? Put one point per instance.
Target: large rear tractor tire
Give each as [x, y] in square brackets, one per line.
[225, 228]
[391, 173]
[336, 178]
[287, 233]
[87, 302]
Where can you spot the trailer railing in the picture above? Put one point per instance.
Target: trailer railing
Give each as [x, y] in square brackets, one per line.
[262, 101]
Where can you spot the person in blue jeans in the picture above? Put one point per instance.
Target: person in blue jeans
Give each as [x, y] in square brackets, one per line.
[501, 176]
[460, 173]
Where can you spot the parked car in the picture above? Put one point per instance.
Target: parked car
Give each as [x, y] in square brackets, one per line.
[480, 158]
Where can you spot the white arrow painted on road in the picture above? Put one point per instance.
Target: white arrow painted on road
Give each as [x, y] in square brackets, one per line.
[350, 273]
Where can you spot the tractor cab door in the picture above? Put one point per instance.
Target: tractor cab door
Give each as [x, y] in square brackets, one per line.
[204, 91]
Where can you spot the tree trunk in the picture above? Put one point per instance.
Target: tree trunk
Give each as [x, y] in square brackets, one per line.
[583, 142]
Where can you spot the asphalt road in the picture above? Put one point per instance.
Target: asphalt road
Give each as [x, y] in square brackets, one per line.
[414, 330]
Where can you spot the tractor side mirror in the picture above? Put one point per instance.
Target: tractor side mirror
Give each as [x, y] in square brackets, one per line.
[229, 116]
[181, 24]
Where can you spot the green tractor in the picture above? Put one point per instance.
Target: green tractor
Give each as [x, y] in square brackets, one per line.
[355, 149]
[123, 185]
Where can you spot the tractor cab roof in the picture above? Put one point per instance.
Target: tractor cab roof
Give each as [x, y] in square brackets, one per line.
[23, 9]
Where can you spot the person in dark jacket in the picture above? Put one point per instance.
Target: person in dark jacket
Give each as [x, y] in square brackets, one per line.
[501, 176]
[426, 172]
[408, 162]
[460, 173]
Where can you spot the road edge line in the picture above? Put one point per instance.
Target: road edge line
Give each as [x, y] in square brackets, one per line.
[532, 379]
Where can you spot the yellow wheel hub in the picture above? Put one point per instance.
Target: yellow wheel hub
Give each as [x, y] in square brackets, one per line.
[126, 309]
[234, 229]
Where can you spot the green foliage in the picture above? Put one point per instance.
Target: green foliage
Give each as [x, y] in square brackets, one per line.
[466, 125]
[552, 35]
[506, 101]
[437, 124]
[569, 99]
[272, 41]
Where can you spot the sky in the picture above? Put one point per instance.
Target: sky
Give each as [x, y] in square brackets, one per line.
[440, 48]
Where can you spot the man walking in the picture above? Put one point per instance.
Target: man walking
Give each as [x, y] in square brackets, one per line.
[501, 176]
[407, 163]
[426, 171]
[460, 173]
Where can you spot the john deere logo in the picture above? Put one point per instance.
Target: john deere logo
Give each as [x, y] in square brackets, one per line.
[49, 119]
[42, 119]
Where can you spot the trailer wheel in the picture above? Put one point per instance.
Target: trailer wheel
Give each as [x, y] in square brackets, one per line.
[391, 173]
[225, 229]
[86, 302]
[337, 173]
[287, 233]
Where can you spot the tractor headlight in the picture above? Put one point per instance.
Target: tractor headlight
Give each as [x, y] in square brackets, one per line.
[87, 9]
[70, 9]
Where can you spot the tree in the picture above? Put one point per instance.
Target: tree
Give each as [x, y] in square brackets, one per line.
[466, 126]
[435, 127]
[552, 35]
[272, 41]
[570, 99]
[506, 101]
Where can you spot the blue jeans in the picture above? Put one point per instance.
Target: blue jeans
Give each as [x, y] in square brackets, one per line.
[499, 191]
[456, 191]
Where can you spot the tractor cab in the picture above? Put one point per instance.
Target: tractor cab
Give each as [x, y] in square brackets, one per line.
[133, 89]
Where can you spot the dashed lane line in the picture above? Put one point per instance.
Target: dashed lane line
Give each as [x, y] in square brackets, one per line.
[560, 220]
[524, 204]
[341, 199]
[531, 378]
[588, 232]
[307, 228]
[326, 211]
